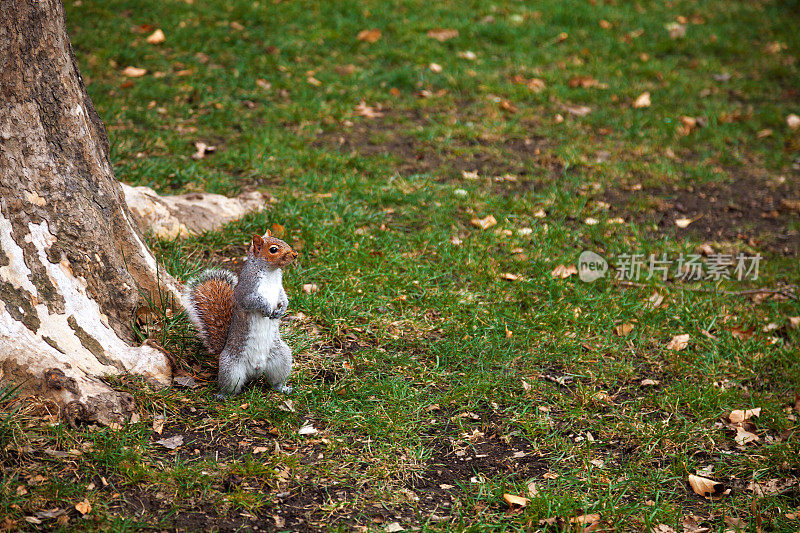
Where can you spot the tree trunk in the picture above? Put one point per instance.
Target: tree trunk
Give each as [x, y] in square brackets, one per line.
[73, 267]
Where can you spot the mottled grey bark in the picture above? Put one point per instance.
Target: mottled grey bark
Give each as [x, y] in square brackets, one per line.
[73, 267]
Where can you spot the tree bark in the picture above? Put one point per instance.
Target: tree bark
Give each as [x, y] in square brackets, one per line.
[73, 266]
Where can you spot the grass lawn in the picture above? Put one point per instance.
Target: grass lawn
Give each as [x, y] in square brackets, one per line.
[441, 361]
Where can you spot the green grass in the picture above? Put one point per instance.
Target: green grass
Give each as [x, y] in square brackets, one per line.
[408, 331]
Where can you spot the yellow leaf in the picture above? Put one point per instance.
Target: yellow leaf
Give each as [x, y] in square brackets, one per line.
[484, 223]
[738, 416]
[624, 329]
[564, 272]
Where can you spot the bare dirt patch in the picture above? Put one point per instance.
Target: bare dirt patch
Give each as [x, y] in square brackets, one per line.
[756, 211]
[529, 158]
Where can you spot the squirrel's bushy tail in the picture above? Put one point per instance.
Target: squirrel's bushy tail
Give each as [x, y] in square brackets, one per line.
[209, 303]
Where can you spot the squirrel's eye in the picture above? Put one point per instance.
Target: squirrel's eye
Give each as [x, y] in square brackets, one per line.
[273, 249]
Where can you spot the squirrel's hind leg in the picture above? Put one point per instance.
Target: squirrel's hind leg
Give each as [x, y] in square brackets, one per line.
[232, 376]
[280, 365]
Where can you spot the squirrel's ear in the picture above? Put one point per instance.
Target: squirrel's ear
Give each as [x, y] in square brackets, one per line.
[268, 234]
[258, 242]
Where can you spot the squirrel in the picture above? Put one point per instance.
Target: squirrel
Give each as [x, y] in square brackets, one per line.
[238, 317]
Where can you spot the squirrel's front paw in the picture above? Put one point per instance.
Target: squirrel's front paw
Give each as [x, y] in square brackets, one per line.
[278, 312]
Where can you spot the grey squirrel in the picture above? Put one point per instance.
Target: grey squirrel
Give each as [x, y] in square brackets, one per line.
[238, 317]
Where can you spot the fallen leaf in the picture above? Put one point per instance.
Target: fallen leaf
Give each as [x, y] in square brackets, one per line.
[578, 110]
[533, 492]
[676, 30]
[707, 488]
[484, 223]
[584, 82]
[662, 528]
[84, 507]
[687, 125]
[690, 525]
[508, 276]
[310, 288]
[649, 382]
[585, 519]
[260, 449]
[171, 443]
[264, 84]
[679, 342]
[393, 527]
[369, 36]
[307, 429]
[470, 174]
[655, 300]
[158, 424]
[134, 72]
[157, 37]
[468, 55]
[236, 26]
[186, 382]
[364, 110]
[738, 416]
[591, 221]
[435, 67]
[793, 121]
[624, 329]
[515, 501]
[642, 101]
[442, 35]
[313, 81]
[550, 475]
[683, 222]
[287, 405]
[744, 437]
[564, 272]
[794, 322]
[202, 150]
[770, 487]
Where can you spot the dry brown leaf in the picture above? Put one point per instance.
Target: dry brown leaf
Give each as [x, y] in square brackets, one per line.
[606, 25]
[707, 488]
[738, 416]
[687, 125]
[584, 82]
[683, 223]
[158, 424]
[550, 475]
[484, 223]
[676, 30]
[435, 68]
[690, 525]
[794, 322]
[157, 37]
[585, 519]
[533, 492]
[310, 288]
[564, 272]
[744, 437]
[369, 36]
[171, 443]
[770, 487]
[134, 72]
[578, 110]
[662, 528]
[515, 501]
[642, 101]
[793, 121]
[624, 329]
[508, 276]
[655, 300]
[84, 507]
[364, 110]
[442, 34]
[203, 149]
[649, 382]
[679, 342]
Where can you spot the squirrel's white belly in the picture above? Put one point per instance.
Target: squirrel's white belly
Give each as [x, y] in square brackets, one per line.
[259, 341]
